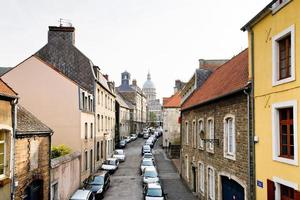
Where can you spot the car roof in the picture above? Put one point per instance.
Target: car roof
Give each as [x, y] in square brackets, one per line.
[150, 159]
[150, 168]
[112, 159]
[119, 150]
[148, 153]
[147, 145]
[81, 194]
[154, 185]
[100, 173]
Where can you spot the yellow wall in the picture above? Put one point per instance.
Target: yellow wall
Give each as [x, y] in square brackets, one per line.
[266, 94]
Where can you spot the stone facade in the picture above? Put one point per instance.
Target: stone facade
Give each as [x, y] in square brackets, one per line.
[32, 166]
[192, 155]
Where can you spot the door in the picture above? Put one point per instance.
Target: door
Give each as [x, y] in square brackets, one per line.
[34, 190]
[231, 190]
[194, 179]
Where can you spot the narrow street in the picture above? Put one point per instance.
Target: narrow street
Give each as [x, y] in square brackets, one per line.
[126, 182]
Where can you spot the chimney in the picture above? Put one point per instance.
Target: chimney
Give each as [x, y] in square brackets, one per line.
[106, 76]
[111, 85]
[201, 63]
[134, 82]
[62, 32]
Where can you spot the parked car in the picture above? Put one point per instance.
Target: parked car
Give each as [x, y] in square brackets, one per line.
[120, 155]
[146, 135]
[146, 149]
[127, 139]
[146, 162]
[148, 155]
[149, 142]
[154, 191]
[83, 194]
[150, 175]
[98, 183]
[122, 144]
[111, 165]
[140, 134]
[133, 137]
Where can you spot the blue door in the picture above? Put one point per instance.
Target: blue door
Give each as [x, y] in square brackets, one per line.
[231, 190]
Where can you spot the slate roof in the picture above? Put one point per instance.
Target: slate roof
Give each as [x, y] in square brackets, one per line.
[3, 70]
[173, 101]
[27, 123]
[7, 91]
[228, 78]
[70, 61]
[121, 100]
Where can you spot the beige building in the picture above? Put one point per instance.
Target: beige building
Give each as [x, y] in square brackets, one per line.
[105, 117]
[7, 106]
[62, 104]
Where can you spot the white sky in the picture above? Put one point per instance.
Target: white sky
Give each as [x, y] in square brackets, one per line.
[166, 37]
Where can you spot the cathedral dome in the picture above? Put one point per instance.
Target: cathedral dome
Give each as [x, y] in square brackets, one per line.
[148, 84]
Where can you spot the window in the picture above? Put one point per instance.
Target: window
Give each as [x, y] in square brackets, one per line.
[211, 136]
[286, 193]
[85, 130]
[200, 134]
[186, 133]
[2, 153]
[86, 160]
[82, 100]
[101, 122]
[282, 189]
[187, 167]
[211, 183]
[98, 151]
[34, 154]
[54, 191]
[283, 57]
[102, 149]
[194, 134]
[98, 96]
[229, 137]
[201, 177]
[102, 98]
[91, 130]
[89, 103]
[284, 132]
[98, 122]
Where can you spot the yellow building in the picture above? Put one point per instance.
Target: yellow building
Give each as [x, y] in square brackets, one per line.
[274, 38]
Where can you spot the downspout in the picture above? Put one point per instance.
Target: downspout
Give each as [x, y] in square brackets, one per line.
[14, 126]
[50, 144]
[253, 117]
[249, 144]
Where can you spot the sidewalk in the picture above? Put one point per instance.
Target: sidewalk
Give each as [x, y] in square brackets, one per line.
[170, 179]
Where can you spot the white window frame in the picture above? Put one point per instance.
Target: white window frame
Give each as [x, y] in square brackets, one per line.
[227, 154]
[201, 177]
[186, 132]
[276, 134]
[200, 141]
[275, 56]
[194, 133]
[4, 154]
[213, 189]
[210, 145]
[279, 181]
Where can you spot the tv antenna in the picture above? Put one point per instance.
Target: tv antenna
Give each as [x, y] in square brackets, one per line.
[65, 22]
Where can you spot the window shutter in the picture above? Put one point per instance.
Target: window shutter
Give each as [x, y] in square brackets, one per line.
[296, 195]
[271, 190]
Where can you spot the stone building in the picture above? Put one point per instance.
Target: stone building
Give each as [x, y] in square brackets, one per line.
[215, 123]
[123, 122]
[32, 157]
[8, 101]
[154, 105]
[135, 96]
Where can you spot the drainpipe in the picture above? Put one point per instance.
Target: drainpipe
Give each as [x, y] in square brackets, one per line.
[50, 144]
[14, 126]
[250, 138]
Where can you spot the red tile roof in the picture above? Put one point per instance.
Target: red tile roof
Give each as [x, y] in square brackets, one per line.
[5, 90]
[228, 78]
[173, 101]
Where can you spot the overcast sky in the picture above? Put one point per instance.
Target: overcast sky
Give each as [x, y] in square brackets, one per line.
[166, 37]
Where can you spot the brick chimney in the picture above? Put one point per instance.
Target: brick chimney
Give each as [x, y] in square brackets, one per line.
[134, 83]
[65, 33]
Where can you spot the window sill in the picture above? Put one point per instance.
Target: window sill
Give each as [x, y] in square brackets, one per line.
[4, 181]
[210, 151]
[283, 81]
[286, 160]
[201, 148]
[229, 156]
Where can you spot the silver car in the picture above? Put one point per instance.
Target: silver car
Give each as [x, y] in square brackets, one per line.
[83, 195]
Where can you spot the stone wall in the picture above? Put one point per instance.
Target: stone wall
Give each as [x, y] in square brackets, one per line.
[29, 168]
[65, 172]
[236, 169]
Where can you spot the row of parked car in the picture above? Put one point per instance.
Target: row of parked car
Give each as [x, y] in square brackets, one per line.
[125, 140]
[152, 189]
[97, 184]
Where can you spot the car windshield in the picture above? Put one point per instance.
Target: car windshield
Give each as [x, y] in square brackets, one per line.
[122, 142]
[96, 180]
[154, 192]
[147, 147]
[148, 155]
[147, 163]
[109, 162]
[151, 174]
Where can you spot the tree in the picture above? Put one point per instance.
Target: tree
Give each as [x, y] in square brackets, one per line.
[152, 119]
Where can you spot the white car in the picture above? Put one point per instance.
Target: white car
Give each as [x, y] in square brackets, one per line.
[146, 162]
[83, 195]
[111, 165]
[150, 175]
[153, 191]
[120, 155]
[148, 155]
